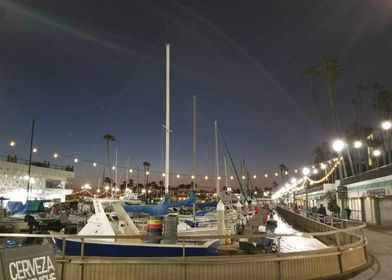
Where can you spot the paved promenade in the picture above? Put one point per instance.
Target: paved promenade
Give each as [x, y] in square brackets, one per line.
[380, 252]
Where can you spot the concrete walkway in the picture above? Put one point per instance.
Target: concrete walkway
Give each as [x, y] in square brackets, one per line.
[380, 252]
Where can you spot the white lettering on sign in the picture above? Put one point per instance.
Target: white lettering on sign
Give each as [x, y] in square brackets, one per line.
[25, 269]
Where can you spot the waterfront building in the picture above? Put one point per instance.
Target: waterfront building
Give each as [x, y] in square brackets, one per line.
[47, 181]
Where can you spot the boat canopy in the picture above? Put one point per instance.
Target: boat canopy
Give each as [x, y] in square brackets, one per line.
[14, 206]
[159, 209]
[33, 206]
[185, 203]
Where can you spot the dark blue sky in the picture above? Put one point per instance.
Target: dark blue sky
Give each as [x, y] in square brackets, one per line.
[86, 68]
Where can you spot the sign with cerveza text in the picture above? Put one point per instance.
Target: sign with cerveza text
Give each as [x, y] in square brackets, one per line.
[34, 262]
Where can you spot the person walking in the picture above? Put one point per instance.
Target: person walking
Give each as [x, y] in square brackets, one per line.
[348, 212]
[322, 212]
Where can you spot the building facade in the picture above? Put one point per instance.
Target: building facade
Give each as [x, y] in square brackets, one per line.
[46, 181]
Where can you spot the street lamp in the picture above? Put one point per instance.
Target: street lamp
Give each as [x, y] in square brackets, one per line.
[377, 153]
[338, 146]
[387, 125]
[306, 172]
[358, 146]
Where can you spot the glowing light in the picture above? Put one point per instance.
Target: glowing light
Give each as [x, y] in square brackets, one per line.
[163, 174]
[376, 153]
[323, 166]
[147, 172]
[143, 190]
[305, 171]
[12, 143]
[178, 176]
[113, 167]
[254, 176]
[315, 171]
[26, 177]
[193, 177]
[386, 125]
[266, 175]
[98, 190]
[55, 155]
[338, 145]
[243, 177]
[35, 150]
[231, 178]
[107, 188]
[130, 170]
[357, 144]
[293, 181]
[219, 177]
[206, 177]
[296, 171]
[276, 174]
[285, 173]
[76, 160]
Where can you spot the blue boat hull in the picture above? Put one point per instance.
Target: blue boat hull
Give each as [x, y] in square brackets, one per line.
[108, 249]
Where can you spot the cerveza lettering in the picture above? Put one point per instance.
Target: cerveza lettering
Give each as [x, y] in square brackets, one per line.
[40, 268]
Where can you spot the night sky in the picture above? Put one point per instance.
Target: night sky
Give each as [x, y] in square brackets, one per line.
[82, 69]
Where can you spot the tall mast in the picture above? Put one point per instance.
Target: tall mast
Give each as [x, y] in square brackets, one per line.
[226, 174]
[194, 141]
[167, 170]
[115, 177]
[194, 156]
[216, 159]
[126, 175]
[31, 152]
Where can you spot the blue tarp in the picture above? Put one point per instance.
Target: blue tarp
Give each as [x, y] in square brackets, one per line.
[211, 204]
[152, 209]
[34, 206]
[14, 206]
[185, 203]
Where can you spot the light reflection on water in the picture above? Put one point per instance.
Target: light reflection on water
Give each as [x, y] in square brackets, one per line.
[295, 243]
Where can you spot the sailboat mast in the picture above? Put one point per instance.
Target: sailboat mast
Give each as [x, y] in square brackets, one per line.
[194, 156]
[194, 141]
[226, 174]
[167, 119]
[28, 190]
[216, 160]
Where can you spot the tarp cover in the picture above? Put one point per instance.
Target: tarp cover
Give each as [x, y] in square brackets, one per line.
[185, 203]
[14, 206]
[151, 209]
[34, 206]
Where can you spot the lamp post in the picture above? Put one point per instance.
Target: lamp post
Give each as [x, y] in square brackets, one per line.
[386, 126]
[338, 146]
[358, 146]
[376, 154]
[306, 172]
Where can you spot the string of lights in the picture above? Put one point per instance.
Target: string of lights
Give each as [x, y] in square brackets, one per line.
[178, 175]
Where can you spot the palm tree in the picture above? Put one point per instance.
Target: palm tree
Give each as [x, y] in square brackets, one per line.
[322, 153]
[283, 169]
[312, 73]
[109, 138]
[146, 165]
[331, 71]
[382, 101]
[357, 103]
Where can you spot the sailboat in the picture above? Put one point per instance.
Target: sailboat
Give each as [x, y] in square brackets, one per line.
[116, 227]
[117, 223]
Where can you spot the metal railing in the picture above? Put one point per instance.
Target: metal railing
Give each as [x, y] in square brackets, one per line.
[346, 252]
